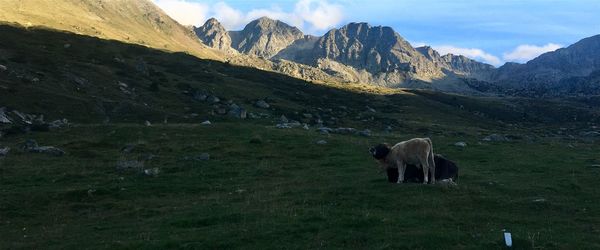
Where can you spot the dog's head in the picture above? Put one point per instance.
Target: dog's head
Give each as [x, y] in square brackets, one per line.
[380, 151]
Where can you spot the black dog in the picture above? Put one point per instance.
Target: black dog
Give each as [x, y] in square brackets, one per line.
[444, 169]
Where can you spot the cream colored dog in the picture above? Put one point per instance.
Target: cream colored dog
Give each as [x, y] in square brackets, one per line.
[417, 151]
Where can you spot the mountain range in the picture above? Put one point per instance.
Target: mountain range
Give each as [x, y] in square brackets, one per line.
[360, 53]
[353, 53]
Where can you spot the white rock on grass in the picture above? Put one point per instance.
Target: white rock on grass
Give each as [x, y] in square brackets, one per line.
[461, 144]
[4, 151]
[152, 172]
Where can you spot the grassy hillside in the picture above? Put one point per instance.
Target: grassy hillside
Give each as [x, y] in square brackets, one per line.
[81, 82]
[130, 21]
[274, 188]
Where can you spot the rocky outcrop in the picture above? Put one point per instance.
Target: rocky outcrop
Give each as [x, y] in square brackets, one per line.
[458, 64]
[213, 34]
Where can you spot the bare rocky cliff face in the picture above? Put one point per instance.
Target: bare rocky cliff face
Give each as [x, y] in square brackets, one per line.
[264, 37]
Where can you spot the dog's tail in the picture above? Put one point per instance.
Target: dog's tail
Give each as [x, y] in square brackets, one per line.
[431, 156]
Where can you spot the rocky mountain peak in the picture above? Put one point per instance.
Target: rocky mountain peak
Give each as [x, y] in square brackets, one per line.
[265, 37]
[376, 49]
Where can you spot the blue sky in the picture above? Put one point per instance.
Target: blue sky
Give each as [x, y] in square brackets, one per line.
[492, 31]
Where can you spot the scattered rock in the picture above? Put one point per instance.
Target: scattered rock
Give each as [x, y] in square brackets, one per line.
[322, 142]
[262, 104]
[365, 133]
[590, 134]
[305, 126]
[200, 157]
[539, 200]
[50, 150]
[325, 130]
[141, 66]
[126, 165]
[371, 110]
[25, 118]
[388, 129]
[3, 116]
[307, 116]
[152, 172]
[495, 138]
[213, 99]
[344, 131]
[148, 157]
[79, 80]
[128, 148]
[461, 144]
[237, 111]
[206, 123]
[3, 68]
[199, 96]
[147, 123]
[283, 119]
[283, 126]
[203, 157]
[595, 165]
[59, 124]
[220, 111]
[32, 146]
[446, 182]
[67, 45]
[4, 151]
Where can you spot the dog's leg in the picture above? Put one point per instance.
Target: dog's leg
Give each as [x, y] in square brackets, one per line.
[432, 170]
[425, 169]
[401, 169]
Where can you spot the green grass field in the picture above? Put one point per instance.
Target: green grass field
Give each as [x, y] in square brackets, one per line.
[269, 188]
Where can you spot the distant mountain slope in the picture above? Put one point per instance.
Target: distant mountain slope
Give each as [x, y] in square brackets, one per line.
[131, 21]
[458, 64]
[552, 71]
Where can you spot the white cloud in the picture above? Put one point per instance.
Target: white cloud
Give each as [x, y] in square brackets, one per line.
[308, 15]
[417, 44]
[184, 12]
[526, 52]
[476, 54]
[320, 15]
[227, 15]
